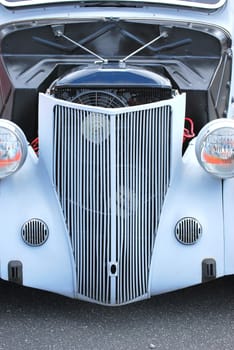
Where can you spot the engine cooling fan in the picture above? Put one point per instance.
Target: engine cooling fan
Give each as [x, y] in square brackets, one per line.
[99, 98]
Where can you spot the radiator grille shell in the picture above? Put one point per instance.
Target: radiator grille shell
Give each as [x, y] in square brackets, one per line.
[111, 171]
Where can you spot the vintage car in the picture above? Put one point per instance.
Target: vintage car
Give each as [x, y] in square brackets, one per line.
[116, 146]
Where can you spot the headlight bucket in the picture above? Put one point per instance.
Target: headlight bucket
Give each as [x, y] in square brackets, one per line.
[215, 148]
[13, 148]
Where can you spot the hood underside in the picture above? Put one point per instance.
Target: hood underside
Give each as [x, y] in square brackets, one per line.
[114, 55]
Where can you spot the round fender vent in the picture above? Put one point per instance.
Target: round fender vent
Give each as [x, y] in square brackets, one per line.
[188, 230]
[35, 232]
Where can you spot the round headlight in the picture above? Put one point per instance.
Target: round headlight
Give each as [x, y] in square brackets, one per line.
[215, 148]
[13, 148]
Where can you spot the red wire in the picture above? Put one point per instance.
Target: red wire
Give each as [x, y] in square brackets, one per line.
[35, 145]
[189, 132]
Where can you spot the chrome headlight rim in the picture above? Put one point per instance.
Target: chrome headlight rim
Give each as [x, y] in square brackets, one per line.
[209, 129]
[14, 129]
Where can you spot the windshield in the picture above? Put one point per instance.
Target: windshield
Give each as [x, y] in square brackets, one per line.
[208, 4]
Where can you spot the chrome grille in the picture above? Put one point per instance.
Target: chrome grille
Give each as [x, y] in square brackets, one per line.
[111, 172]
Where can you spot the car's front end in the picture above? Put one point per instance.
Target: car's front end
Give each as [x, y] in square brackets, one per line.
[114, 200]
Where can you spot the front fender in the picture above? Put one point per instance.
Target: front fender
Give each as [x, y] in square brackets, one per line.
[192, 193]
[25, 195]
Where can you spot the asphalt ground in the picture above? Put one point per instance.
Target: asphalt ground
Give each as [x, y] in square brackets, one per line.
[200, 317]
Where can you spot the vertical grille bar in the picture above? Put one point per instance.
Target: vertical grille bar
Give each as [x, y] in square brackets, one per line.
[111, 173]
